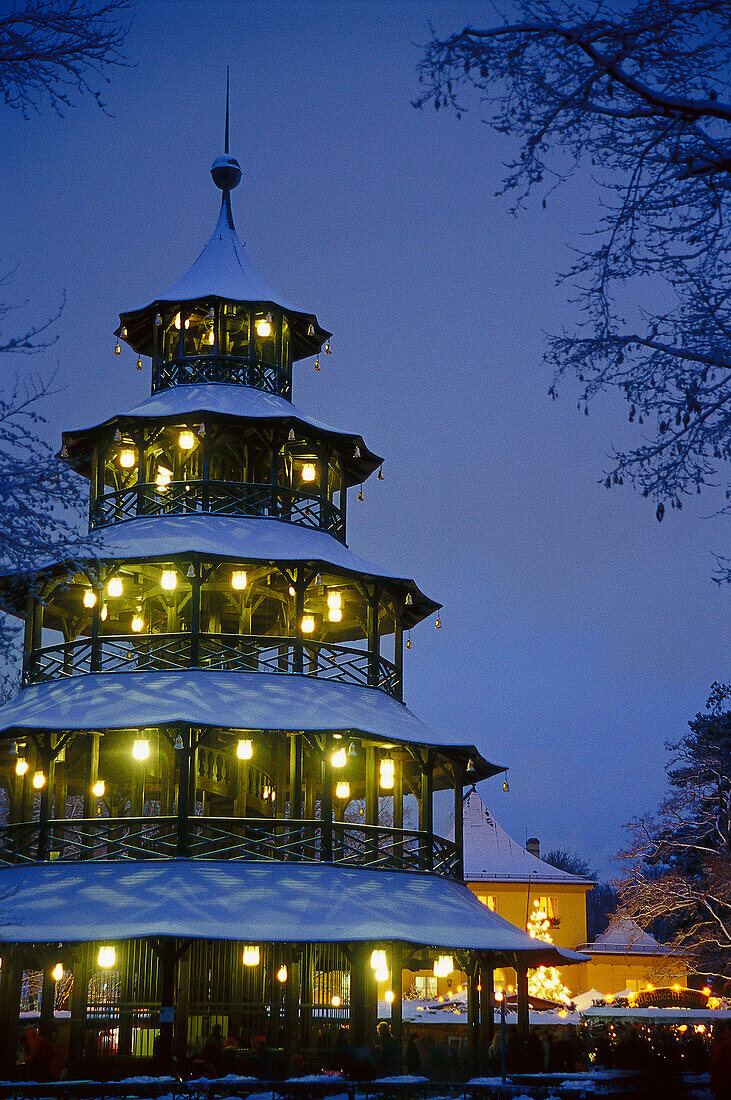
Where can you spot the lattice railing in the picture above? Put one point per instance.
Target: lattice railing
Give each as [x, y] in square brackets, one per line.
[226, 369]
[251, 839]
[222, 498]
[226, 652]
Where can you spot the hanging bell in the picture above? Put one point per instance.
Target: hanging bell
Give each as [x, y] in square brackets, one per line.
[211, 313]
[139, 362]
[356, 452]
[470, 767]
[202, 432]
[310, 329]
[328, 349]
[438, 624]
[318, 578]
[178, 743]
[123, 333]
[291, 436]
[64, 453]
[191, 572]
[158, 319]
[506, 787]
[352, 750]
[380, 475]
[317, 363]
[269, 318]
[409, 599]
[14, 748]
[408, 642]
[360, 493]
[117, 436]
[117, 348]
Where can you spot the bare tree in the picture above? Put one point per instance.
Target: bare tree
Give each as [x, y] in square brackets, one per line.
[52, 48]
[678, 878]
[637, 97]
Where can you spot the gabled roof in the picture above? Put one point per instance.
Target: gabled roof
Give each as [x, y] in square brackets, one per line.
[255, 903]
[237, 402]
[490, 855]
[625, 937]
[223, 270]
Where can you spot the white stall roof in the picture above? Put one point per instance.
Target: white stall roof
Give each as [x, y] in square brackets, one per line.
[254, 902]
[491, 855]
[229, 700]
[625, 937]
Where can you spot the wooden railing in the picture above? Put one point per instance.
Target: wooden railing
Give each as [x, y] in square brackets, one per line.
[220, 498]
[258, 839]
[227, 369]
[224, 652]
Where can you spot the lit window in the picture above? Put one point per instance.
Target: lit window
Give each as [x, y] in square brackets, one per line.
[490, 900]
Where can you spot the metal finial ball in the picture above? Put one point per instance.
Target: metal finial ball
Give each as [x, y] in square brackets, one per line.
[226, 172]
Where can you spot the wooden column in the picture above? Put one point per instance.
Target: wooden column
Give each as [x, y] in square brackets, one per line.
[398, 805]
[299, 609]
[44, 760]
[48, 992]
[126, 995]
[398, 653]
[182, 1001]
[195, 615]
[473, 1013]
[426, 810]
[81, 965]
[280, 777]
[459, 818]
[374, 639]
[295, 776]
[11, 978]
[91, 773]
[292, 992]
[397, 1002]
[363, 996]
[96, 645]
[521, 985]
[326, 799]
[487, 1011]
[168, 955]
[371, 798]
[183, 794]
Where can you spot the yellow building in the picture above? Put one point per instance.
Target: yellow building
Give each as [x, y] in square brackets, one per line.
[625, 957]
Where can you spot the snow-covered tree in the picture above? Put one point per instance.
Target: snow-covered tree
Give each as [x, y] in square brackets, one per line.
[544, 981]
[678, 878]
[636, 97]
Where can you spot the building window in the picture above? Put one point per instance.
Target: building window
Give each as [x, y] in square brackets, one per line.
[549, 906]
[490, 900]
[426, 986]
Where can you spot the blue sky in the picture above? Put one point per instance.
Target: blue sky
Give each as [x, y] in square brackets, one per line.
[578, 634]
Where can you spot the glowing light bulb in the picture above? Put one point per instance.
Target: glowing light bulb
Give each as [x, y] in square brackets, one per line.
[334, 600]
[115, 587]
[104, 613]
[126, 458]
[335, 614]
[308, 624]
[309, 473]
[141, 749]
[177, 321]
[57, 972]
[342, 790]
[39, 780]
[89, 598]
[378, 958]
[137, 623]
[389, 997]
[335, 1001]
[238, 580]
[168, 580]
[382, 974]
[263, 327]
[339, 758]
[282, 974]
[99, 788]
[251, 955]
[107, 957]
[163, 477]
[387, 772]
[244, 750]
[291, 591]
[186, 440]
[21, 766]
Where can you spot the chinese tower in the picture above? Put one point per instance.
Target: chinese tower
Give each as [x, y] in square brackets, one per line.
[209, 761]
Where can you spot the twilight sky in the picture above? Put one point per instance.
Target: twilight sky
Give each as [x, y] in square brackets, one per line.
[578, 634]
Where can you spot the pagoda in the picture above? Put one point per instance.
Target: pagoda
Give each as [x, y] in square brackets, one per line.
[208, 764]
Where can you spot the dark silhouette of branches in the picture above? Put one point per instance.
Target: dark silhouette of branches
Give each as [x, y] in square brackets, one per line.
[601, 900]
[638, 98]
[50, 49]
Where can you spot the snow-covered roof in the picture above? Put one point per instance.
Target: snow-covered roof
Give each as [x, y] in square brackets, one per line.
[223, 270]
[253, 902]
[625, 937]
[490, 855]
[243, 402]
[239, 538]
[232, 700]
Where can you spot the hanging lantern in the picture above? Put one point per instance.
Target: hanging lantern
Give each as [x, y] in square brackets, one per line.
[506, 786]
[328, 349]
[310, 329]
[387, 769]
[360, 494]
[89, 597]
[380, 474]
[141, 749]
[107, 957]
[168, 579]
[334, 600]
[317, 362]
[186, 440]
[282, 974]
[138, 623]
[117, 348]
[251, 956]
[244, 750]
[238, 580]
[99, 788]
[39, 780]
[339, 758]
[57, 972]
[178, 743]
[163, 478]
[443, 966]
[139, 363]
[408, 641]
[308, 624]
[21, 766]
[263, 326]
[378, 959]
[115, 587]
[342, 790]
[382, 974]
[438, 623]
[127, 458]
[309, 471]
[123, 333]
[335, 614]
